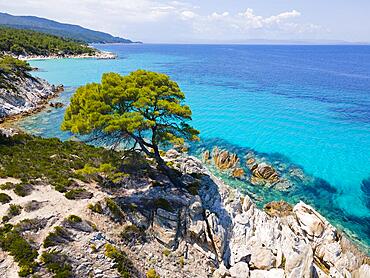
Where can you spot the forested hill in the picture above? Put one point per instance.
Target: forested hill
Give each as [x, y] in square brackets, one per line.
[59, 29]
[26, 42]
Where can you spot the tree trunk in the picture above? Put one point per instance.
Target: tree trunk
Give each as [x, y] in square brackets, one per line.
[169, 172]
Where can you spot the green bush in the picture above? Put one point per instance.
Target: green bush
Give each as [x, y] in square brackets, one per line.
[57, 263]
[114, 208]
[7, 186]
[151, 273]
[22, 189]
[79, 193]
[31, 158]
[122, 263]
[4, 198]
[14, 210]
[132, 233]
[23, 253]
[59, 235]
[96, 208]
[74, 219]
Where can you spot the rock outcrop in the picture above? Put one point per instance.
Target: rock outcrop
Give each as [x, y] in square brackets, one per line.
[203, 229]
[26, 95]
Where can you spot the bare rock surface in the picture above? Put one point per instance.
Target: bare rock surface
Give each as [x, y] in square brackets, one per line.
[203, 229]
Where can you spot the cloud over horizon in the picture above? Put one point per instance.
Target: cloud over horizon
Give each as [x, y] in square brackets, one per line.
[174, 21]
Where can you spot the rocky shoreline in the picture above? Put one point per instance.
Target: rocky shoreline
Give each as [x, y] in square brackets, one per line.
[203, 229]
[102, 55]
[29, 95]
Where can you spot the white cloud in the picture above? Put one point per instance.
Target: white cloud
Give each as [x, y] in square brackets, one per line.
[166, 19]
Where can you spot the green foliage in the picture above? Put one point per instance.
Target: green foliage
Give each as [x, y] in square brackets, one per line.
[74, 219]
[126, 107]
[25, 42]
[79, 193]
[166, 252]
[22, 189]
[57, 263]
[122, 263]
[114, 208]
[14, 210]
[163, 204]
[8, 64]
[7, 186]
[11, 69]
[23, 253]
[132, 233]
[31, 158]
[96, 207]
[59, 235]
[4, 198]
[151, 273]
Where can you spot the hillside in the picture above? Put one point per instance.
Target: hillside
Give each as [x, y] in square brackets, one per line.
[59, 29]
[72, 210]
[19, 91]
[26, 42]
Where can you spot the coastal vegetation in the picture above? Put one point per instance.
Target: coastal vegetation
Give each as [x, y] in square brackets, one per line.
[18, 247]
[27, 42]
[144, 109]
[10, 69]
[34, 160]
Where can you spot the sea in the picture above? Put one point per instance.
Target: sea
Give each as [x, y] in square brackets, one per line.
[303, 107]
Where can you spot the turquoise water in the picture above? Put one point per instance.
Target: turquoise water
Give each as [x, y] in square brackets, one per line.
[307, 106]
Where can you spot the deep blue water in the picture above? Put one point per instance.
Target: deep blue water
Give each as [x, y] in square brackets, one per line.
[306, 106]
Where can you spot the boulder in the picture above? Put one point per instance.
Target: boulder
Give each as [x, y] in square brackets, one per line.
[262, 258]
[264, 172]
[221, 272]
[224, 160]
[239, 270]
[279, 209]
[310, 221]
[206, 156]
[272, 273]
[238, 173]
[362, 272]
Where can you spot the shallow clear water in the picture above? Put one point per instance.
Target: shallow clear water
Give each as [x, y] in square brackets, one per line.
[307, 106]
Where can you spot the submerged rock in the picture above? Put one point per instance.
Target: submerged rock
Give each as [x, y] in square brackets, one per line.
[263, 173]
[280, 208]
[224, 160]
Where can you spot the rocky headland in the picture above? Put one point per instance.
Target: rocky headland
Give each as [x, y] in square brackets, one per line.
[24, 95]
[140, 225]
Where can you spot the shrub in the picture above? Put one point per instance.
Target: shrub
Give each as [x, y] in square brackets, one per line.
[14, 210]
[122, 263]
[30, 158]
[4, 198]
[166, 252]
[151, 273]
[132, 233]
[60, 235]
[74, 219]
[57, 263]
[23, 253]
[96, 208]
[22, 189]
[80, 193]
[7, 186]
[114, 208]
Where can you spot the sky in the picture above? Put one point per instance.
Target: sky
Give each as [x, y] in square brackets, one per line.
[209, 21]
